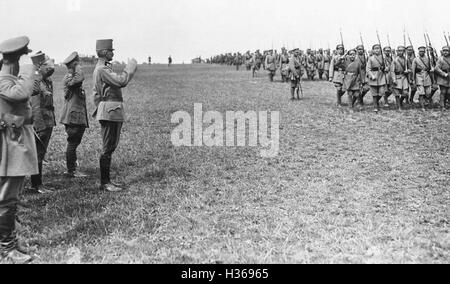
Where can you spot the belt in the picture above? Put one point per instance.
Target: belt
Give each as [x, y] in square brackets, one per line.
[399, 73]
[375, 69]
[338, 69]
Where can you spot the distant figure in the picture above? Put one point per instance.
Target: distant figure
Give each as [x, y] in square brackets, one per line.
[170, 60]
[150, 60]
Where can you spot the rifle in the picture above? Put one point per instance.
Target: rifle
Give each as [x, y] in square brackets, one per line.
[433, 57]
[446, 39]
[410, 42]
[342, 39]
[404, 37]
[382, 53]
[389, 41]
[362, 42]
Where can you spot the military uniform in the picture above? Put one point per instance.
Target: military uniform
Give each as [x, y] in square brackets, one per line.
[271, 65]
[362, 59]
[320, 63]
[109, 111]
[352, 81]
[18, 157]
[337, 70]
[74, 114]
[284, 66]
[412, 87]
[421, 69]
[326, 65]
[43, 114]
[443, 77]
[389, 58]
[399, 75]
[257, 61]
[311, 65]
[376, 78]
[295, 66]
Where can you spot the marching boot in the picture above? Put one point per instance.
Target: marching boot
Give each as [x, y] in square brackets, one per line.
[422, 102]
[339, 98]
[298, 93]
[443, 102]
[386, 100]
[398, 102]
[292, 94]
[376, 104]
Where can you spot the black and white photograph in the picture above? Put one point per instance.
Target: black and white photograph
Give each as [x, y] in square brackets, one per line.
[224, 132]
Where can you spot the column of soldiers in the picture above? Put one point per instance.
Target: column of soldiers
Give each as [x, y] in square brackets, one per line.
[381, 72]
[27, 119]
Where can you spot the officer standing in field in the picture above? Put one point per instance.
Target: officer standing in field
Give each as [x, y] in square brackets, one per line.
[43, 115]
[421, 69]
[310, 64]
[326, 64]
[443, 76]
[18, 157]
[271, 65]
[169, 61]
[109, 106]
[284, 65]
[257, 60]
[399, 73]
[337, 69]
[320, 63]
[74, 114]
[295, 70]
[376, 70]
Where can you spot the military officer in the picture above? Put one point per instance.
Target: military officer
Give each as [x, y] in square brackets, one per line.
[337, 69]
[43, 115]
[271, 65]
[399, 73]
[376, 71]
[421, 70]
[443, 76]
[109, 111]
[257, 61]
[295, 72]
[74, 114]
[18, 156]
[410, 56]
[310, 64]
[362, 59]
[352, 78]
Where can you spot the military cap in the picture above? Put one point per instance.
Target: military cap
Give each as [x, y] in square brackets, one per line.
[360, 47]
[410, 47]
[446, 48]
[39, 58]
[14, 45]
[422, 48]
[376, 45]
[104, 44]
[387, 48]
[401, 48]
[339, 46]
[71, 58]
[351, 50]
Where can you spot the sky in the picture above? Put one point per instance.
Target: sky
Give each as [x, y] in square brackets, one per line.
[186, 29]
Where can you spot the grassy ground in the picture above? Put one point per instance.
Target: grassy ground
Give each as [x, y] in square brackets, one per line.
[346, 187]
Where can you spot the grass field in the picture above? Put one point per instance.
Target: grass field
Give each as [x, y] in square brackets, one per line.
[345, 188]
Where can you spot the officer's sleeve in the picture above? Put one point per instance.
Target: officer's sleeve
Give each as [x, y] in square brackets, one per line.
[74, 79]
[19, 91]
[414, 66]
[392, 71]
[113, 79]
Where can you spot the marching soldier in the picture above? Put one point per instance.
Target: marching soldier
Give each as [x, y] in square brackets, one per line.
[376, 71]
[443, 78]
[43, 115]
[421, 69]
[320, 63]
[388, 57]
[352, 79]
[109, 106]
[326, 64]
[74, 114]
[284, 65]
[362, 59]
[295, 67]
[410, 56]
[257, 60]
[310, 64]
[337, 69]
[399, 74]
[18, 146]
[271, 65]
